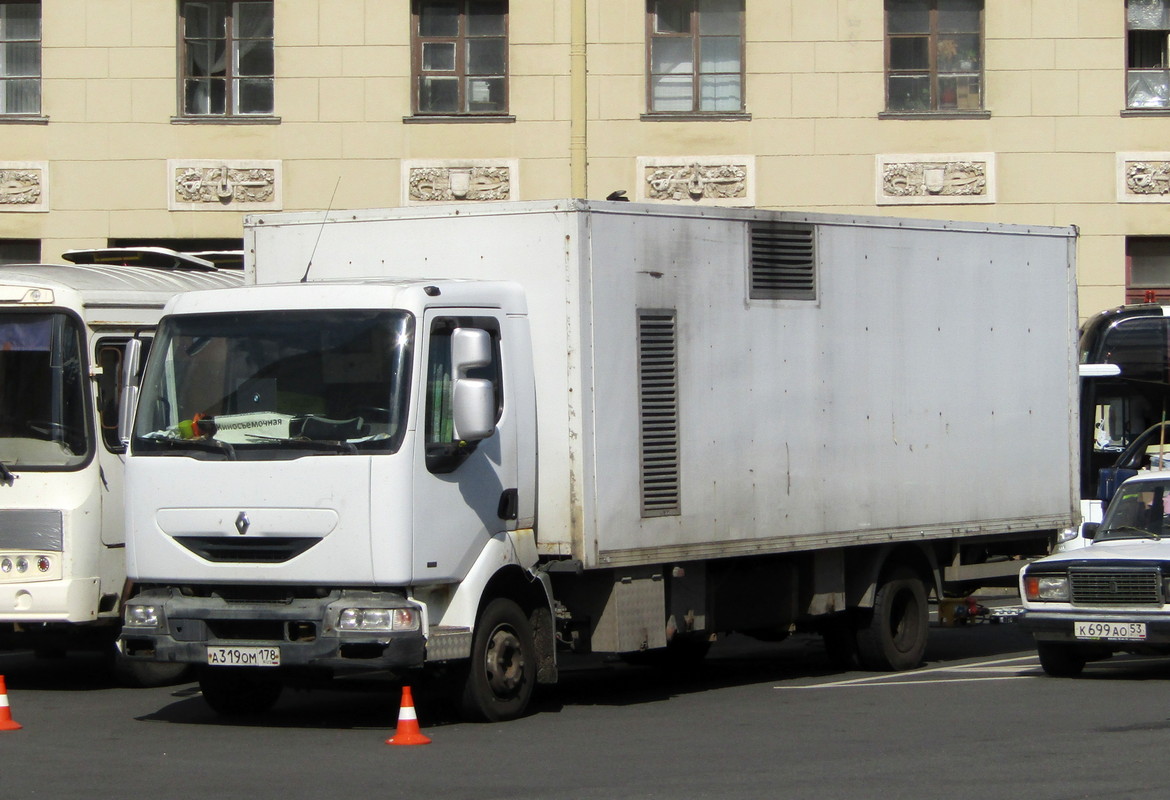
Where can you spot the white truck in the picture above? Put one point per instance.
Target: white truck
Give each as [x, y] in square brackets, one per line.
[1111, 595]
[468, 439]
[63, 332]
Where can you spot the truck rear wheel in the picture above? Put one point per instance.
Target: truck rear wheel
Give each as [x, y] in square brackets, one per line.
[1060, 660]
[895, 638]
[502, 673]
[236, 691]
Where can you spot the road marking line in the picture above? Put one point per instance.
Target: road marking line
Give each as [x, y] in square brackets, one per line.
[909, 682]
[911, 677]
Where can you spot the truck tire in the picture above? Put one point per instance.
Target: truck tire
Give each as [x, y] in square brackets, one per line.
[1060, 660]
[895, 637]
[237, 691]
[502, 673]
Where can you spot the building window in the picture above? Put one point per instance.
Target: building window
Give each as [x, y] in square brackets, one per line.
[227, 59]
[20, 251]
[20, 58]
[460, 50]
[695, 55]
[1147, 269]
[1147, 78]
[934, 55]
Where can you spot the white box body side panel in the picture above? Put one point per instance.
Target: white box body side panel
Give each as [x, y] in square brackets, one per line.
[929, 391]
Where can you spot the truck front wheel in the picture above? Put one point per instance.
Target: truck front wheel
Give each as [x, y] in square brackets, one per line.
[502, 672]
[895, 638]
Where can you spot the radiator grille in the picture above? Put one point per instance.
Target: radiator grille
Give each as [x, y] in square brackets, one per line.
[248, 550]
[1095, 586]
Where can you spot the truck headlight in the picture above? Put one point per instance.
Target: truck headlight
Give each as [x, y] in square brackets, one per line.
[142, 616]
[378, 619]
[1046, 588]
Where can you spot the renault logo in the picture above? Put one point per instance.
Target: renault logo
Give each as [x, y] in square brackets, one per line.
[243, 523]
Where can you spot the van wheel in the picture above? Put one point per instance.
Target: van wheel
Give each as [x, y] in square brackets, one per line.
[502, 673]
[232, 691]
[895, 637]
[1060, 660]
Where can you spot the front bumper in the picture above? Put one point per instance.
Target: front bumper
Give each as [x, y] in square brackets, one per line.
[1057, 626]
[303, 629]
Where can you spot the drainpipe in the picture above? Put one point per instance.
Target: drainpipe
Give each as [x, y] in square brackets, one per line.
[579, 87]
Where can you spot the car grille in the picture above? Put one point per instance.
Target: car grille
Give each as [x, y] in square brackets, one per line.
[252, 550]
[1096, 586]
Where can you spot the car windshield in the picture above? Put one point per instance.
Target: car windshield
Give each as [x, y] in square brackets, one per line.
[42, 392]
[1140, 510]
[276, 384]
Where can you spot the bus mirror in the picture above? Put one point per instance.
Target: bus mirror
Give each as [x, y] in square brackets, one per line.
[128, 394]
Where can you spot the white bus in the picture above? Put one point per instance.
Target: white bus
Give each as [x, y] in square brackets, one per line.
[63, 331]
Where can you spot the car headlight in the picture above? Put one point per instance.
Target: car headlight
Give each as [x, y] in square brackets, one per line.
[142, 615]
[378, 619]
[1046, 588]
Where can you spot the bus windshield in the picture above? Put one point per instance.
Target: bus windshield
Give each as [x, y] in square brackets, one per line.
[42, 392]
[276, 384]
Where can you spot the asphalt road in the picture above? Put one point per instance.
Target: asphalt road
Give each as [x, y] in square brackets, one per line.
[978, 720]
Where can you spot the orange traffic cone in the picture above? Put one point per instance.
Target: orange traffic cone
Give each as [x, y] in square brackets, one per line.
[6, 721]
[407, 731]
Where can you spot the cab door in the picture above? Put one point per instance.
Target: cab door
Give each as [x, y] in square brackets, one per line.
[464, 491]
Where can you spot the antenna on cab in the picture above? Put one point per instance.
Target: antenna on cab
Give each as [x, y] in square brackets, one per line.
[309, 266]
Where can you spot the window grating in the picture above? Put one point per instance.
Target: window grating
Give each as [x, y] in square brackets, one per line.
[783, 262]
[658, 398]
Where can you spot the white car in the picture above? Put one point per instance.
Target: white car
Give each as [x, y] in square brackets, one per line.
[1111, 595]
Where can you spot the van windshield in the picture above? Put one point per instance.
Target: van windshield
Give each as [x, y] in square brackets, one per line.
[42, 392]
[276, 384]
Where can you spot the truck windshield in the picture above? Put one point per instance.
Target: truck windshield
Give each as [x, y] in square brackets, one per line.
[1138, 511]
[276, 384]
[42, 392]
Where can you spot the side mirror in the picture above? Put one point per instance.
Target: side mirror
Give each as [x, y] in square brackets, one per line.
[1089, 530]
[473, 400]
[128, 396]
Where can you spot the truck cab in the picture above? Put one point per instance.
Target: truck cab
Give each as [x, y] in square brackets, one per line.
[283, 407]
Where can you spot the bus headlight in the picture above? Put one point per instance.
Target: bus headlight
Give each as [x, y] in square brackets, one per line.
[142, 615]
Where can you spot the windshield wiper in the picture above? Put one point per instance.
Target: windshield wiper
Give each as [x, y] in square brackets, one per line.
[332, 445]
[1142, 533]
[212, 445]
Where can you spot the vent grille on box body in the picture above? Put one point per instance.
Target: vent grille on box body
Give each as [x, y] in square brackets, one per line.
[658, 397]
[783, 261]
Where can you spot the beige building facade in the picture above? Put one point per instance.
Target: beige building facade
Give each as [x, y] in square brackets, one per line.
[135, 121]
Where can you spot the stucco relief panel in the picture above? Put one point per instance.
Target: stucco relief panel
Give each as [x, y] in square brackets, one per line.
[24, 185]
[210, 185]
[1143, 177]
[935, 178]
[458, 181]
[697, 180]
